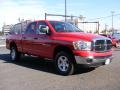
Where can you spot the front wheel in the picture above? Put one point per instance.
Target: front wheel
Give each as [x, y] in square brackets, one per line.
[64, 64]
[14, 54]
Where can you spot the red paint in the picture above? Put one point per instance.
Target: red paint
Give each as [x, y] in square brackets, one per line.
[45, 45]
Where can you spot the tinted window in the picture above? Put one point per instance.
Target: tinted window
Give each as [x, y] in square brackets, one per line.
[16, 29]
[31, 29]
[64, 27]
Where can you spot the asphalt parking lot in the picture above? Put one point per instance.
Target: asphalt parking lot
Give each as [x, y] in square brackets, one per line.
[34, 74]
[2, 42]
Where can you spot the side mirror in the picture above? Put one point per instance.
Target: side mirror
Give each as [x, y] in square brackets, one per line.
[45, 29]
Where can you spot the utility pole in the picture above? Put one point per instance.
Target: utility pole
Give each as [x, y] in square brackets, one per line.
[45, 15]
[106, 28]
[19, 19]
[112, 21]
[65, 11]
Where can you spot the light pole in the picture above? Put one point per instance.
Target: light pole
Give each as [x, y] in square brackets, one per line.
[112, 21]
[65, 11]
[106, 28]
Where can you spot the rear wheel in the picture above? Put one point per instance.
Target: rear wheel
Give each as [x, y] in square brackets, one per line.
[14, 54]
[64, 64]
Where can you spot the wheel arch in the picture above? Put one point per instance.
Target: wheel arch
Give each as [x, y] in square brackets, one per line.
[13, 44]
[64, 49]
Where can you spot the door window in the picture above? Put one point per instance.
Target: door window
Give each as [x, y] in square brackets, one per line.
[40, 27]
[31, 29]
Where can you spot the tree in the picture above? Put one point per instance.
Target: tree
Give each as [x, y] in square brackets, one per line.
[1, 33]
[96, 32]
[90, 31]
[103, 31]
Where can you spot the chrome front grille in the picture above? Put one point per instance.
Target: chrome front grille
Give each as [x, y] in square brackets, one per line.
[101, 45]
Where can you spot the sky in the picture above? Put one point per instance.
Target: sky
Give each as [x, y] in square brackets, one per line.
[11, 10]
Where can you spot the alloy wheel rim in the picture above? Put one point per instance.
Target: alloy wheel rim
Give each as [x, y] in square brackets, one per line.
[13, 54]
[63, 63]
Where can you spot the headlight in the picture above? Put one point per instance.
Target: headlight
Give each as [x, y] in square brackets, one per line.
[82, 45]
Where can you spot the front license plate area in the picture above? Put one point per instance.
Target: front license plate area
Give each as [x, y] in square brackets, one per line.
[107, 61]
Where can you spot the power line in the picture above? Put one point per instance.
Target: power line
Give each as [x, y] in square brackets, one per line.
[105, 17]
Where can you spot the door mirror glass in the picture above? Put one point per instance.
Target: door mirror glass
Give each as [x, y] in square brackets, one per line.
[44, 29]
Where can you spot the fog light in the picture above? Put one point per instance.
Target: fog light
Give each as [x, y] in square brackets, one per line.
[89, 60]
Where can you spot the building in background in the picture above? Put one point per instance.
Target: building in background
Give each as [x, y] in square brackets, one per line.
[20, 27]
[6, 29]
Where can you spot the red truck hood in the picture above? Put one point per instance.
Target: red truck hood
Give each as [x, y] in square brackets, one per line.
[76, 36]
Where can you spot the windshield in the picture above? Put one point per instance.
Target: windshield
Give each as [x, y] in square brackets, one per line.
[64, 27]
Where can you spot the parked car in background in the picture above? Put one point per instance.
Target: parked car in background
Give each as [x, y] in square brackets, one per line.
[115, 39]
[116, 35]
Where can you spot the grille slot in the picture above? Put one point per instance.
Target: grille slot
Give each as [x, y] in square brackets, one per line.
[102, 45]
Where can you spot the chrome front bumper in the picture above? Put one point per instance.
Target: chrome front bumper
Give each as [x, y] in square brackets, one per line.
[93, 61]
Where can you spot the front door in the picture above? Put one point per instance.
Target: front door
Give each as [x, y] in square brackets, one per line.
[28, 38]
[41, 43]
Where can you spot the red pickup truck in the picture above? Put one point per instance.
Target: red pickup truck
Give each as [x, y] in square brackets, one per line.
[63, 43]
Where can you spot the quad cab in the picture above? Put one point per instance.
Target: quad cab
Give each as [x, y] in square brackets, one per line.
[61, 42]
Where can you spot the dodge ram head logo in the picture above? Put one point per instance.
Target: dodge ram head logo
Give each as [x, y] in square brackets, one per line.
[100, 46]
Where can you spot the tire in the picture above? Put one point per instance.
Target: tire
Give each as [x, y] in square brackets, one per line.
[64, 64]
[14, 54]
